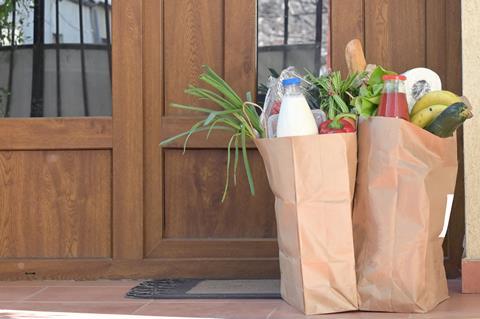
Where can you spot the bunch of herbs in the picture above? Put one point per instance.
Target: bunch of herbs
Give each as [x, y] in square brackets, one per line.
[333, 93]
[235, 115]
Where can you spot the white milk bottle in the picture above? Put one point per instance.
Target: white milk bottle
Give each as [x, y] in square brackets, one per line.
[295, 118]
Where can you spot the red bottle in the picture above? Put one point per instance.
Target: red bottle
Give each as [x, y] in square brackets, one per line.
[394, 101]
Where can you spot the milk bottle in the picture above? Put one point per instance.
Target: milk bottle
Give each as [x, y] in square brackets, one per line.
[295, 118]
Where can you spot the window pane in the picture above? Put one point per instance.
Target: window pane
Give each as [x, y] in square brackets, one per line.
[55, 58]
[291, 33]
[20, 97]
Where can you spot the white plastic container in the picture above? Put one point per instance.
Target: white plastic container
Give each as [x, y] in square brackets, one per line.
[295, 118]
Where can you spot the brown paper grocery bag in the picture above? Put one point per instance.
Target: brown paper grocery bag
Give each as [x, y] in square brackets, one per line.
[404, 176]
[313, 179]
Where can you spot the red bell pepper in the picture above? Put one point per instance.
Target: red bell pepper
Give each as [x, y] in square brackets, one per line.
[340, 124]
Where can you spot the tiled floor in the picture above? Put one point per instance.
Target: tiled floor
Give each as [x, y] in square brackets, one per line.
[105, 299]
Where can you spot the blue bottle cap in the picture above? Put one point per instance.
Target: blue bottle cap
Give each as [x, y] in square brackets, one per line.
[291, 81]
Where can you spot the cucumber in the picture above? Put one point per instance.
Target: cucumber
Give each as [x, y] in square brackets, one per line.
[449, 120]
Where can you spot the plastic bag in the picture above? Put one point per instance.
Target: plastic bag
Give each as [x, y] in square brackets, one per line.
[272, 121]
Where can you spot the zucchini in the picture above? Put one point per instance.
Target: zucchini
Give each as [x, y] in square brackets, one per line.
[449, 120]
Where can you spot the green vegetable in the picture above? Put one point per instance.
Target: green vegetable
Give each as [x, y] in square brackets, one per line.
[366, 102]
[236, 116]
[449, 120]
[334, 93]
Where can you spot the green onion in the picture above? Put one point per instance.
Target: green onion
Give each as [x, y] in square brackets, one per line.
[237, 116]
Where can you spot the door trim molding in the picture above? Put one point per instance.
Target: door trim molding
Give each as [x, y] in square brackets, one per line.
[55, 133]
[92, 269]
[127, 110]
[215, 248]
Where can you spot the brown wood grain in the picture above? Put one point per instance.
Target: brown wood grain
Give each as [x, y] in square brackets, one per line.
[208, 248]
[227, 41]
[55, 232]
[127, 86]
[347, 23]
[453, 83]
[241, 55]
[444, 57]
[436, 57]
[153, 96]
[55, 133]
[193, 32]
[395, 34]
[194, 184]
[453, 46]
[88, 269]
[55, 204]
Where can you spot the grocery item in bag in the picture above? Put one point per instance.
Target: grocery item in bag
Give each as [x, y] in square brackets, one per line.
[296, 118]
[319, 115]
[419, 82]
[404, 177]
[313, 178]
[393, 102]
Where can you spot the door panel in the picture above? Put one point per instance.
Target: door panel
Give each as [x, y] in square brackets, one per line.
[342, 32]
[194, 184]
[189, 220]
[55, 204]
[395, 34]
[196, 41]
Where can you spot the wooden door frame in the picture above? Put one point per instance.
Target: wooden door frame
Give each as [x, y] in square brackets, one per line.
[127, 115]
[137, 130]
[124, 134]
[250, 258]
[136, 60]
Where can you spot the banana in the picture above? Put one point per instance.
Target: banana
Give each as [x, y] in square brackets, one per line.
[435, 98]
[427, 115]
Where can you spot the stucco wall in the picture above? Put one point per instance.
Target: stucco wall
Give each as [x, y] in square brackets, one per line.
[471, 89]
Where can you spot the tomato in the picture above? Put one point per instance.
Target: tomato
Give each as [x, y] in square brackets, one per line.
[276, 107]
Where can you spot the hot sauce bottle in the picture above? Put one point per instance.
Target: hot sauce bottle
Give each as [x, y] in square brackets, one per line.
[394, 101]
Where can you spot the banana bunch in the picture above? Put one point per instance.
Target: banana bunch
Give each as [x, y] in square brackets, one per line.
[429, 107]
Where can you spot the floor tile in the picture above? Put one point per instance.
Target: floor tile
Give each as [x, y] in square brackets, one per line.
[87, 307]
[17, 293]
[285, 311]
[63, 299]
[224, 310]
[6, 305]
[80, 293]
[457, 306]
[21, 314]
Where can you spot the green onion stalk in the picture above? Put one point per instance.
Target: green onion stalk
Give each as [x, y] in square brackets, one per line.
[235, 115]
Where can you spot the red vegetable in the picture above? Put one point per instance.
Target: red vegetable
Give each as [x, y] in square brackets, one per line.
[340, 124]
[276, 108]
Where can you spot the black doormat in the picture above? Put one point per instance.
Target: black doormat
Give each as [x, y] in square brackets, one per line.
[207, 289]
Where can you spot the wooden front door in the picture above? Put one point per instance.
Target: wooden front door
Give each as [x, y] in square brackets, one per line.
[184, 216]
[89, 198]
[55, 172]
[95, 197]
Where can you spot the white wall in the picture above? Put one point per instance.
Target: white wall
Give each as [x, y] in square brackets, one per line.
[471, 66]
